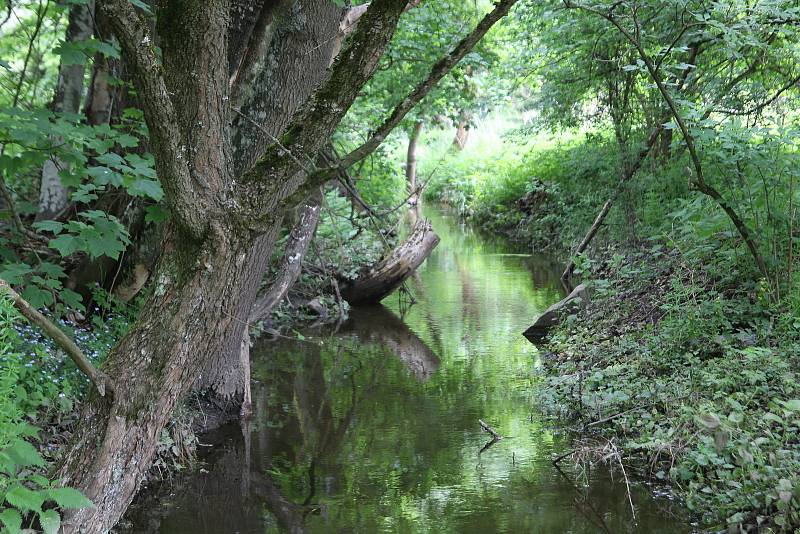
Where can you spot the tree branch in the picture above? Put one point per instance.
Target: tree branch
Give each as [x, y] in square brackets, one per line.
[169, 147]
[100, 380]
[699, 180]
[277, 172]
[439, 70]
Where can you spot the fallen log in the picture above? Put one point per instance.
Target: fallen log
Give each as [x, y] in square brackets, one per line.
[376, 282]
[570, 304]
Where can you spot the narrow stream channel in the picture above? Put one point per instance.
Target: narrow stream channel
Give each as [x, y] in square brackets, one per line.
[375, 428]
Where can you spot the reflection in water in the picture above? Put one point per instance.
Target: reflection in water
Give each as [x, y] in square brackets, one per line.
[375, 428]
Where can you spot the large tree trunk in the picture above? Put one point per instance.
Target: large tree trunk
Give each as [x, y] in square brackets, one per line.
[269, 84]
[69, 93]
[152, 367]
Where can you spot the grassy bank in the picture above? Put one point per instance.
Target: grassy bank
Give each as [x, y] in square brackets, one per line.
[684, 367]
[692, 377]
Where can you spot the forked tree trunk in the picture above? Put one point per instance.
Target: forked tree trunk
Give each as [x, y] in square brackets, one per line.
[69, 93]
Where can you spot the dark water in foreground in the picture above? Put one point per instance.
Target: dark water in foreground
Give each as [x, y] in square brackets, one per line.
[375, 428]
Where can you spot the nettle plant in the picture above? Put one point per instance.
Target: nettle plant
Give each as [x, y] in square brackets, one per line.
[92, 161]
[27, 497]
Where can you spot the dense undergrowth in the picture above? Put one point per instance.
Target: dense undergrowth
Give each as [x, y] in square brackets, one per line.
[684, 365]
[693, 376]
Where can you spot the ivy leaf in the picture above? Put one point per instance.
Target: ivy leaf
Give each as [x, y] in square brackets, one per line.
[24, 499]
[69, 498]
[51, 521]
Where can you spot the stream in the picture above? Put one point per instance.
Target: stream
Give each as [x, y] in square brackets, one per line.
[374, 427]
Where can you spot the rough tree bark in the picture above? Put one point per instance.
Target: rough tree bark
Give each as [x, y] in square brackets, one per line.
[67, 99]
[226, 192]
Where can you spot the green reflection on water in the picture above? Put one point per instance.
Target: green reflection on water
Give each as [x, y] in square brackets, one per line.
[375, 428]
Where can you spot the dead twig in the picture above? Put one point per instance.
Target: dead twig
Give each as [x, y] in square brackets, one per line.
[490, 430]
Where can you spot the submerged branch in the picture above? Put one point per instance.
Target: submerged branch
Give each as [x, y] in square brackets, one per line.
[490, 430]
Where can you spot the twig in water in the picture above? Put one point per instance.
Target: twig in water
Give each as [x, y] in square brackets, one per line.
[490, 430]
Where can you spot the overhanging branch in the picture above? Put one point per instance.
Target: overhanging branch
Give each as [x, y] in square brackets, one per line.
[439, 70]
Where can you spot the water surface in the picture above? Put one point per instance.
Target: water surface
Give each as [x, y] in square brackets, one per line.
[375, 428]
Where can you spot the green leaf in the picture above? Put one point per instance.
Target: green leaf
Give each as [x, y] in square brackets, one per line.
[51, 521]
[69, 498]
[141, 5]
[72, 299]
[65, 244]
[14, 273]
[12, 520]
[156, 213]
[37, 297]
[24, 499]
[39, 480]
[792, 405]
[49, 226]
[23, 454]
[51, 269]
[146, 188]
